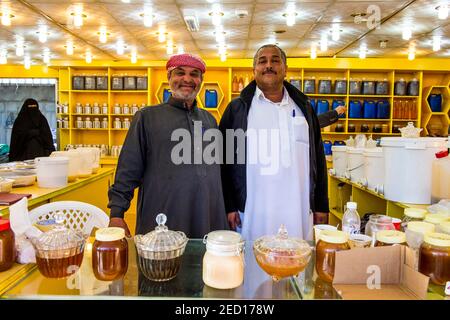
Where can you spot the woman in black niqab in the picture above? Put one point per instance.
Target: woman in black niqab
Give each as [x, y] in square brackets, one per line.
[31, 136]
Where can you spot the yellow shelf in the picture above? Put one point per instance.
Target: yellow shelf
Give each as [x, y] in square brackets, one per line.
[235, 93]
[362, 119]
[412, 120]
[407, 97]
[84, 129]
[326, 95]
[122, 114]
[122, 129]
[129, 91]
[90, 91]
[368, 96]
[89, 114]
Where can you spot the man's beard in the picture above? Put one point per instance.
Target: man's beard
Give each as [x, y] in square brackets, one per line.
[184, 96]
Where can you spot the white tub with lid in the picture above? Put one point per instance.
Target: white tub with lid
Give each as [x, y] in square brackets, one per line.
[75, 162]
[374, 168]
[86, 163]
[95, 154]
[355, 167]
[408, 163]
[52, 172]
[339, 160]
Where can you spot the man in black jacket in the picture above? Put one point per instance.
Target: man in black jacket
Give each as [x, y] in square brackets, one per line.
[267, 92]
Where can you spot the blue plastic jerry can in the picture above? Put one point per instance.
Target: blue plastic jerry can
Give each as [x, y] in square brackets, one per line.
[337, 103]
[211, 98]
[322, 106]
[166, 94]
[355, 109]
[370, 109]
[383, 109]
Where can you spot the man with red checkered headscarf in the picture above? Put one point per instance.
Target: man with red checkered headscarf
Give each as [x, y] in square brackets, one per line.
[189, 194]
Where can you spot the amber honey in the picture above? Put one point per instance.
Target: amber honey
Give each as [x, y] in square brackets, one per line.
[59, 267]
[325, 258]
[160, 270]
[434, 261]
[110, 259]
[280, 265]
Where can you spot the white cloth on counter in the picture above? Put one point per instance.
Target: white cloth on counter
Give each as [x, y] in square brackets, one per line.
[23, 231]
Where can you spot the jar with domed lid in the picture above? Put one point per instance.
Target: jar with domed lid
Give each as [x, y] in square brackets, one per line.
[110, 254]
[330, 242]
[386, 238]
[413, 214]
[223, 262]
[434, 259]
[59, 252]
[160, 251]
[282, 256]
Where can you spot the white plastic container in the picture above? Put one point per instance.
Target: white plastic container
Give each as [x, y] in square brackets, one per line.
[86, 163]
[441, 177]
[408, 163]
[52, 172]
[94, 155]
[355, 167]
[374, 168]
[75, 162]
[339, 160]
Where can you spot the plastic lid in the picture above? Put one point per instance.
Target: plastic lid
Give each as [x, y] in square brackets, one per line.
[52, 159]
[355, 150]
[436, 218]
[415, 213]
[420, 227]
[442, 154]
[224, 241]
[437, 239]
[338, 148]
[281, 244]
[333, 236]
[374, 151]
[352, 205]
[401, 142]
[161, 239]
[4, 225]
[391, 236]
[109, 234]
[445, 226]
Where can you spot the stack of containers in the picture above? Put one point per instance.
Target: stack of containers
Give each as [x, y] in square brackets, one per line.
[374, 169]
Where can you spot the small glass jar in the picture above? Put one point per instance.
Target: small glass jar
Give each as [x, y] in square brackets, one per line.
[386, 238]
[436, 218]
[104, 124]
[385, 128]
[223, 262]
[434, 259]
[126, 109]
[7, 246]
[134, 108]
[65, 123]
[65, 108]
[87, 108]
[412, 214]
[88, 123]
[110, 254]
[376, 223]
[117, 124]
[80, 123]
[330, 242]
[143, 105]
[351, 128]
[97, 123]
[78, 108]
[117, 109]
[126, 123]
[105, 108]
[96, 108]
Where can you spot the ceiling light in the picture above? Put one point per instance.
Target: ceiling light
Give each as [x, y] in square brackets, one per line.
[161, 35]
[363, 51]
[222, 49]
[220, 35]
[383, 44]
[126, 1]
[6, 17]
[103, 35]
[180, 49]
[223, 57]
[46, 56]
[411, 52]
[42, 33]
[324, 42]
[27, 62]
[133, 55]
[120, 47]
[169, 48]
[313, 51]
[3, 56]
[69, 47]
[78, 15]
[436, 43]
[88, 56]
[216, 15]
[443, 11]
[191, 20]
[148, 16]
[290, 14]
[335, 32]
[406, 33]
[20, 47]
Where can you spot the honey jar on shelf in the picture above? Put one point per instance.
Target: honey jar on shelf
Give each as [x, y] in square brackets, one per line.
[110, 254]
[7, 246]
[389, 238]
[330, 242]
[434, 259]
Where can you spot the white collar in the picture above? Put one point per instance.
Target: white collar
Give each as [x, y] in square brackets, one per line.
[285, 101]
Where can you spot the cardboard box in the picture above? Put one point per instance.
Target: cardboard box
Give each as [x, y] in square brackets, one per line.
[380, 273]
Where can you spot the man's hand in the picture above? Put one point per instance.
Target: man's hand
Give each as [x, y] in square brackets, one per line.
[234, 220]
[320, 217]
[341, 110]
[120, 223]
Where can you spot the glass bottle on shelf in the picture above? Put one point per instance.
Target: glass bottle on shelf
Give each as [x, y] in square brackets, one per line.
[241, 84]
[246, 81]
[117, 124]
[126, 109]
[88, 123]
[235, 84]
[79, 124]
[58, 123]
[87, 108]
[104, 123]
[105, 108]
[96, 123]
[65, 123]
[143, 105]
[65, 108]
[78, 108]
[96, 108]
[126, 123]
[134, 108]
[117, 109]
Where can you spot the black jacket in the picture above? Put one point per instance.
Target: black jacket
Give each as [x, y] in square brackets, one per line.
[234, 176]
[328, 118]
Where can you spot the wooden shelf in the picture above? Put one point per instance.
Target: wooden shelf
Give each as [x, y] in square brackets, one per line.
[90, 91]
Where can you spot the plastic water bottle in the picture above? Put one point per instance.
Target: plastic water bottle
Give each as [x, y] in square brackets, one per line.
[351, 222]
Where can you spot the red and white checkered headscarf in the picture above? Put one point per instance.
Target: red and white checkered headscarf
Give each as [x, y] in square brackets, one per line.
[187, 60]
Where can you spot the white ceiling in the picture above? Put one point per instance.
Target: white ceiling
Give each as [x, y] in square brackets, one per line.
[243, 35]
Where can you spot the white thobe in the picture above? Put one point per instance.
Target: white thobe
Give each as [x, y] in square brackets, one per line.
[278, 179]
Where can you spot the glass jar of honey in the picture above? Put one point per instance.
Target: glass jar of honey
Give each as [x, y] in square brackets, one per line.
[7, 246]
[223, 262]
[330, 242]
[389, 238]
[444, 227]
[436, 218]
[434, 259]
[412, 214]
[110, 254]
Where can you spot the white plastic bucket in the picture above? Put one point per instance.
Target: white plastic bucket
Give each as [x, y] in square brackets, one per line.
[75, 162]
[339, 160]
[95, 154]
[408, 163]
[374, 168]
[52, 172]
[355, 167]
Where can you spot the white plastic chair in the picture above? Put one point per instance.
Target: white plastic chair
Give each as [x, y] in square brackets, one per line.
[79, 216]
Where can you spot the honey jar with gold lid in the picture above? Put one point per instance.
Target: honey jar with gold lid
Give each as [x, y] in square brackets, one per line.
[434, 259]
[389, 238]
[330, 242]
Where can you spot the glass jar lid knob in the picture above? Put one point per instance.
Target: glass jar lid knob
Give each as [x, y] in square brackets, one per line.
[161, 221]
[282, 232]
